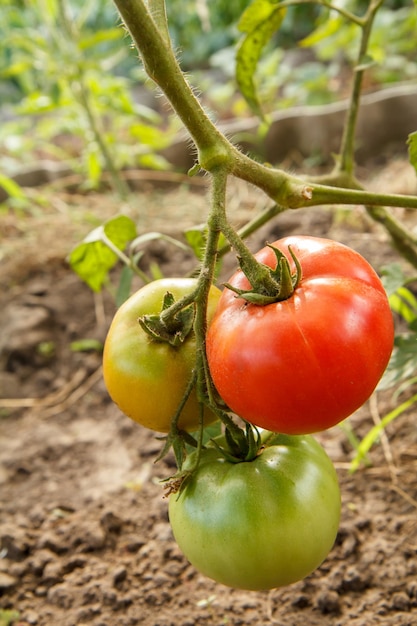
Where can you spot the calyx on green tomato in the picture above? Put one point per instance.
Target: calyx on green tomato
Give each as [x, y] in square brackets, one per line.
[303, 364]
[147, 379]
[263, 523]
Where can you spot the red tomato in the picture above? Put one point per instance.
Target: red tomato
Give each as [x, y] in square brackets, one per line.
[304, 364]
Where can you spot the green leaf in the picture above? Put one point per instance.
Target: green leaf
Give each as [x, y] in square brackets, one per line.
[12, 188]
[97, 254]
[16, 69]
[86, 345]
[125, 284]
[93, 165]
[328, 28]
[259, 21]
[365, 62]
[392, 277]
[120, 230]
[8, 617]
[100, 37]
[196, 238]
[404, 303]
[412, 149]
[403, 362]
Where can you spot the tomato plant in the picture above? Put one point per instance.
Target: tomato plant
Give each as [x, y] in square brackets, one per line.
[146, 378]
[262, 523]
[303, 364]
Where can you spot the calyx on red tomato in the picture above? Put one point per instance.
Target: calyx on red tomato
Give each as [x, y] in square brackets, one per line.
[262, 523]
[303, 364]
[146, 378]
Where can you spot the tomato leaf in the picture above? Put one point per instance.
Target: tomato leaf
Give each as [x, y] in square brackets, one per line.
[12, 189]
[125, 283]
[329, 27]
[196, 238]
[404, 303]
[403, 362]
[412, 149]
[392, 277]
[259, 22]
[94, 257]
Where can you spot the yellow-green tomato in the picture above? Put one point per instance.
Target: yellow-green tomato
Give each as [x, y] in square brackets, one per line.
[263, 523]
[147, 379]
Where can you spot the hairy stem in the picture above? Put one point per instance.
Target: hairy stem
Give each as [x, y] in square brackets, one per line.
[252, 226]
[162, 67]
[214, 149]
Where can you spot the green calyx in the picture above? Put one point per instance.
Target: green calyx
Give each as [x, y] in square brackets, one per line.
[269, 285]
[239, 445]
[172, 329]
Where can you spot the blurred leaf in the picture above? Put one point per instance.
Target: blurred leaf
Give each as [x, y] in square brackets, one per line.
[196, 238]
[365, 63]
[404, 303]
[403, 362]
[86, 345]
[87, 11]
[12, 188]
[93, 258]
[155, 271]
[35, 103]
[154, 162]
[149, 135]
[404, 386]
[324, 30]
[412, 149]
[353, 439]
[15, 69]
[260, 21]
[100, 37]
[8, 617]
[125, 284]
[93, 164]
[392, 277]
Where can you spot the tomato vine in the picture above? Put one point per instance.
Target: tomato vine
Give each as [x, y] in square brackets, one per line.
[147, 24]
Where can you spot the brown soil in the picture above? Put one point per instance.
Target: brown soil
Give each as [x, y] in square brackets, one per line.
[85, 537]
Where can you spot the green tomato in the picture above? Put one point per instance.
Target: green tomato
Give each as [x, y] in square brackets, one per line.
[147, 379]
[263, 523]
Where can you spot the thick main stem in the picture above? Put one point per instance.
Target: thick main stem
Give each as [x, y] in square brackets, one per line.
[162, 67]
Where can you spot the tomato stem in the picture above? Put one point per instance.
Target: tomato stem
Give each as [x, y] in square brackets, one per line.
[176, 438]
[173, 327]
[280, 284]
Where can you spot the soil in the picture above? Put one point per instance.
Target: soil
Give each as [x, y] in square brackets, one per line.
[84, 530]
